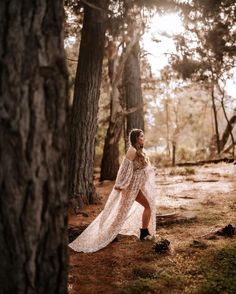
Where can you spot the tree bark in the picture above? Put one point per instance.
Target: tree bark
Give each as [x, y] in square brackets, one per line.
[85, 104]
[110, 158]
[215, 120]
[133, 92]
[228, 148]
[227, 132]
[173, 153]
[167, 127]
[33, 199]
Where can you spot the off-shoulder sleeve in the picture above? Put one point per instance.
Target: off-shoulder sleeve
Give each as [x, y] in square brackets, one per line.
[125, 174]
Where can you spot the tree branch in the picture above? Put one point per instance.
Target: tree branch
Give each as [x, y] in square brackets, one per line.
[93, 6]
[131, 110]
[124, 56]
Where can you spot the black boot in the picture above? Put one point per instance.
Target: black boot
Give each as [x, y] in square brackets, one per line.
[144, 234]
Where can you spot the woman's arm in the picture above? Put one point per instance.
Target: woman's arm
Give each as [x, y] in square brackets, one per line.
[131, 153]
[125, 172]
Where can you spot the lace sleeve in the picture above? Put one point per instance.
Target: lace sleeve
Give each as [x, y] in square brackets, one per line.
[125, 174]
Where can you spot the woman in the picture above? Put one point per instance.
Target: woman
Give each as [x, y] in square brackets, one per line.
[130, 205]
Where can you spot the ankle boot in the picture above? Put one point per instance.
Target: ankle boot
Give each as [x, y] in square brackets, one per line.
[144, 234]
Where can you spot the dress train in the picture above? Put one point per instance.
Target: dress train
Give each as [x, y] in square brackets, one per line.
[121, 214]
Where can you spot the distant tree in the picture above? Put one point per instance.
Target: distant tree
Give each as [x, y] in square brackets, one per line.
[228, 132]
[133, 92]
[110, 158]
[33, 197]
[131, 32]
[73, 26]
[83, 125]
[207, 51]
[177, 110]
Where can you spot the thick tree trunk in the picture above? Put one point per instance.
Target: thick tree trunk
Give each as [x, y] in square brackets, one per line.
[85, 104]
[133, 92]
[33, 85]
[110, 158]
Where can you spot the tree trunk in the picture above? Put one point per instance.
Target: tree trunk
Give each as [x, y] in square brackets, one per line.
[215, 120]
[173, 153]
[228, 130]
[133, 91]
[33, 199]
[229, 127]
[231, 146]
[85, 104]
[167, 127]
[110, 158]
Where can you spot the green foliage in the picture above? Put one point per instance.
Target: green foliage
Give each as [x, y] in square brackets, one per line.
[185, 66]
[171, 280]
[140, 286]
[220, 272]
[144, 272]
[208, 48]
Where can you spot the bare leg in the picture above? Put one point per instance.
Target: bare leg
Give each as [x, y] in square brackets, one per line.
[147, 211]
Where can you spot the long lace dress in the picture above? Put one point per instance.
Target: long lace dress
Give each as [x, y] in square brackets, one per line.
[121, 214]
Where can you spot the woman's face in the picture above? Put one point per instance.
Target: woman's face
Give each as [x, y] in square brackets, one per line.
[140, 139]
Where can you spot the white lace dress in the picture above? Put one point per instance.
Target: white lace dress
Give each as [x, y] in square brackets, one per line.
[121, 214]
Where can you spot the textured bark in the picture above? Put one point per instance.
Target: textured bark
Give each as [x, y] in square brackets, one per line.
[33, 85]
[133, 92]
[110, 158]
[230, 124]
[85, 104]
[227, 132]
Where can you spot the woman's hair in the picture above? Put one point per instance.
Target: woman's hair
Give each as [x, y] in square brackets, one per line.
[133, 137]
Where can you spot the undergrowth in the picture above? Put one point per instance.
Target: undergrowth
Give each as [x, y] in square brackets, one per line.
[220, 272]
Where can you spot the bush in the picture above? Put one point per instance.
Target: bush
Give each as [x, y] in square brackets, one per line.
[159, 159]
[184, 154]
[178, 171]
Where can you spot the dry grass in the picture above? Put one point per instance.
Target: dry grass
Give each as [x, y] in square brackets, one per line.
[182, 171]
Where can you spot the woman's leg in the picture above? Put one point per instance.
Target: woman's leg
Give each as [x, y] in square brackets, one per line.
[141, 199]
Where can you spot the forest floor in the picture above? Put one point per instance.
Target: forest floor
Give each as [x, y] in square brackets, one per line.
[196, 202]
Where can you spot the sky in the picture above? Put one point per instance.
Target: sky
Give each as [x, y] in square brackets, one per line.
[162, 28]
[169, 24]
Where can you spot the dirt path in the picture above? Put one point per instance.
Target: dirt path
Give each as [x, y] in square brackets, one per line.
[204, 199]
